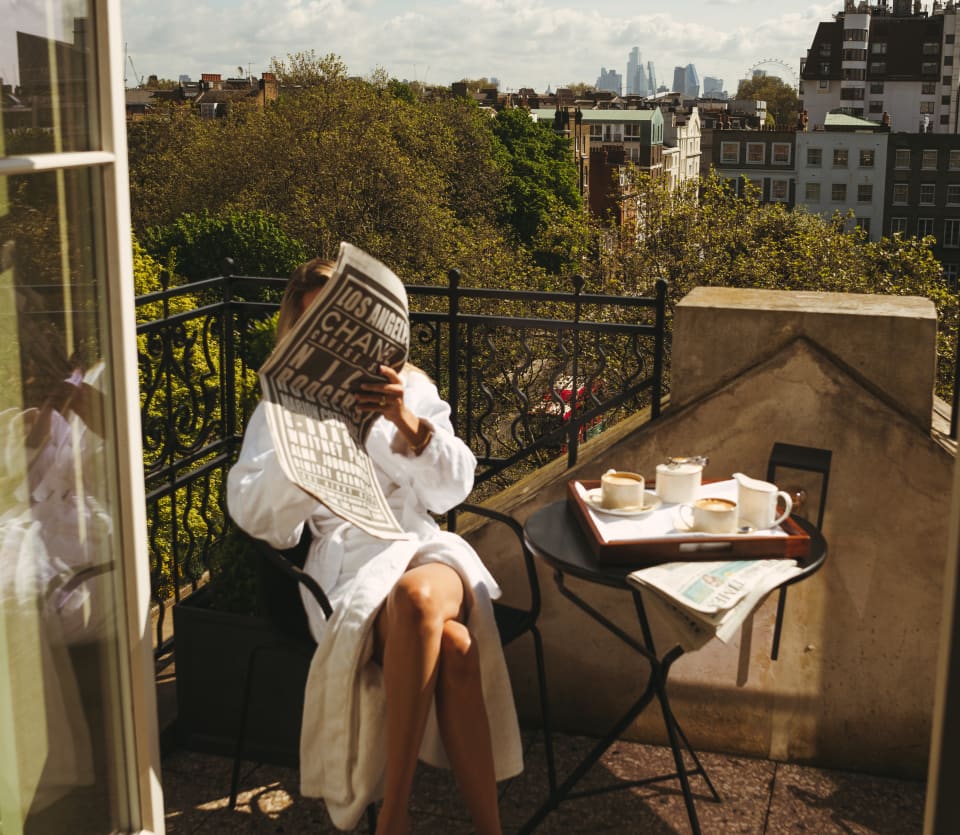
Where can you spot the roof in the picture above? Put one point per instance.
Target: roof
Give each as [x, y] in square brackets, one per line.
[840, 121]
[545, 114]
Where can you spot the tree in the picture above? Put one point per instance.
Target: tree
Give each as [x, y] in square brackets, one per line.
[542, 178]
[781, 98]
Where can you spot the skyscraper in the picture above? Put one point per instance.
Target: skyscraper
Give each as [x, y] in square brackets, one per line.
[636, 77]
[686, 81]
[651, 79]
[610, 80]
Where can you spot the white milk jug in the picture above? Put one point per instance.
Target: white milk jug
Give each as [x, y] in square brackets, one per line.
[757, 501]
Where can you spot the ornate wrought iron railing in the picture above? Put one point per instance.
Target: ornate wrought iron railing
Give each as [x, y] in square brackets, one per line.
[529, 376]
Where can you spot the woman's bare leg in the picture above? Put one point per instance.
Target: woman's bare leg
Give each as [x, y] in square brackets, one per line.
[462, 717]
[408, 634]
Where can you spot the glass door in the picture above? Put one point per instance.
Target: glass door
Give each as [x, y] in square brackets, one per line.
[78, 742]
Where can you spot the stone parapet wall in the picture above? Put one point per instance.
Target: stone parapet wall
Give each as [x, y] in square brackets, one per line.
[854, 682]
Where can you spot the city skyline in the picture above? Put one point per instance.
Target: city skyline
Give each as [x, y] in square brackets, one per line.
[540, 44]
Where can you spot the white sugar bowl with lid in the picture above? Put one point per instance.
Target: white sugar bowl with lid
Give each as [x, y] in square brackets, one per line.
[678, 480]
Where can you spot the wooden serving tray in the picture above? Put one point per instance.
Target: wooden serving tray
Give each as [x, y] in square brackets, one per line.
[682, 548]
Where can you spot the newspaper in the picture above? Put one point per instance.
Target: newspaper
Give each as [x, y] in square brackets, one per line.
[358, 322]
[697, 601]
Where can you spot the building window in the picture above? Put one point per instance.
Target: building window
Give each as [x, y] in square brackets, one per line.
[854, 55]
[924, 226]
[928, 88]
[815, 157]
[876, 107]
[876, 88]
[878, 66]
[955, 160]
[854, 34]
[898, 225]
[838, 192]
[945, 100]
[948, 39]
[901, 193]
[867, 158]
[839, 157]
[928, 194]
[953, 194]
[929, 68]
[825, 68]
[825, 50]
[948, 60]
[931, 48]
[950, 274]
[929, 159]
[945, 119]
[823, 84]
[951, 233]
[854, 74]
[781, 153]
[811, 192]
[864, 193]
[926, 107]
[779, 190]
[596, 132]
[852, 93]
[902, 158]
[755, 153]
[730, 152]
[948, 80]
[879, 47]
[864, 224]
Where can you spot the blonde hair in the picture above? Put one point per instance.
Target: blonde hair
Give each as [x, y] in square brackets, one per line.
[310, 276]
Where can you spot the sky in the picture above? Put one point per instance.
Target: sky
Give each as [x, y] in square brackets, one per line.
[523, 43]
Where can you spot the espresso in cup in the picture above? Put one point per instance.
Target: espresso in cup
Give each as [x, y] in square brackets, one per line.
[619, 489]
[710, 515]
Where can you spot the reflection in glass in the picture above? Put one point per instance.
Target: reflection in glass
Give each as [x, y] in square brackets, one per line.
[58, 575]
[46, 73]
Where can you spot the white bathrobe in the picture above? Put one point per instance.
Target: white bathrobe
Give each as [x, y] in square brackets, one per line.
[342, 756]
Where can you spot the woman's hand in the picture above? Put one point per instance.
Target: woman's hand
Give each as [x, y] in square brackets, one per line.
[387, 399]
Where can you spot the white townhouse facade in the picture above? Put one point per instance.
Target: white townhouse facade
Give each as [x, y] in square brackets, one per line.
[844, 167]
[682, 131]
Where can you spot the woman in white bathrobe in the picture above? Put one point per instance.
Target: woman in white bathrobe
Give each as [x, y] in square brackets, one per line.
[410, 662]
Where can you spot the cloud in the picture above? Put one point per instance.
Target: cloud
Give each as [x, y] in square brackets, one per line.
[523, 43]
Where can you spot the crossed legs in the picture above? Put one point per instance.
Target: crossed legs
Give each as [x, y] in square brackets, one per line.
[428, 654]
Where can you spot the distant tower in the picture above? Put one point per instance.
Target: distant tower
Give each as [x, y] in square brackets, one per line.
[651, 79]
[636, 78]
[686, 81]
[610, 80]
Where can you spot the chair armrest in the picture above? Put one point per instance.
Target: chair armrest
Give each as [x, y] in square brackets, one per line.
[529, 563]
[279, 560]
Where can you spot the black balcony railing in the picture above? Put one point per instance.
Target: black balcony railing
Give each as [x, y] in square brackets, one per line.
[529, 376]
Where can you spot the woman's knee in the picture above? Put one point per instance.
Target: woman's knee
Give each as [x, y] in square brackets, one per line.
[415, 601]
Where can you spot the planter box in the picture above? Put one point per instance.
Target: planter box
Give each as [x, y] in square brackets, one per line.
[212, 650]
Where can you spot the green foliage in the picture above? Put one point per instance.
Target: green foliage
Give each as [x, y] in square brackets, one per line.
[781, 98]
[542, 176]
[197, 245]
[235, 584]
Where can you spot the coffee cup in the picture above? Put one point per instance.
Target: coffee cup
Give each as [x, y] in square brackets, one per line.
[758, 502]
[678, 482]
[619, 489]
[710, 515]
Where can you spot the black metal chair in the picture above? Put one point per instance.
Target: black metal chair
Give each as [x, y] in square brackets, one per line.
[281, 576]
[806, 459]
[284, 574]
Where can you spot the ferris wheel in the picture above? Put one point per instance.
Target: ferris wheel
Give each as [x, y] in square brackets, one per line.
[774, 66]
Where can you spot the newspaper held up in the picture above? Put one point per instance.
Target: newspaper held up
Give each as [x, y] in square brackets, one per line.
[358, 322]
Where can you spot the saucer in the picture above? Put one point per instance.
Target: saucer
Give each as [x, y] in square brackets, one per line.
[651, 501]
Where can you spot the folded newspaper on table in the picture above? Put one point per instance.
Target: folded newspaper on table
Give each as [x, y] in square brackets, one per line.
[693, 602]
[358, 322]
